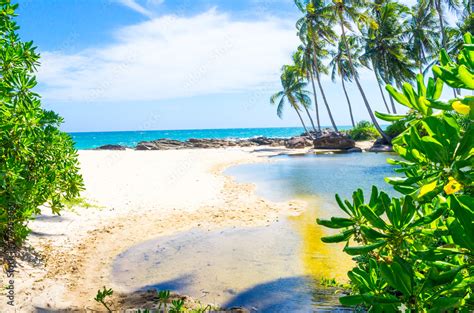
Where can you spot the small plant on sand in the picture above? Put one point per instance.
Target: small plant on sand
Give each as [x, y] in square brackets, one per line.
[415, 252]
[102, 296]
[163, 297]
[38, 162]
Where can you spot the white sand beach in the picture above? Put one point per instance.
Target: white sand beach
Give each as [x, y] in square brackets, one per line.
[136, 196]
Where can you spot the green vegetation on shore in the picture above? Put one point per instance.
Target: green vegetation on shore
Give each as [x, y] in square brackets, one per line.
[415, 252]
[38, 162]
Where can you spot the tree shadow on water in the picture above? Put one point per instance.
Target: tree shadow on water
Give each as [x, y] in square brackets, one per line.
[291, 294]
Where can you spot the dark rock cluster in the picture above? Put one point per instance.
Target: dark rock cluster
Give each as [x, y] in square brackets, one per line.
[167, 144]
[381, 145]
[322, 140]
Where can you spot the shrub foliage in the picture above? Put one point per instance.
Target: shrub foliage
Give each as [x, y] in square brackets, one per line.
[364, 130]
[38, 163]
[415, 252]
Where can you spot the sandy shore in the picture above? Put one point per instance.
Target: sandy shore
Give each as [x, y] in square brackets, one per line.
[136, 196]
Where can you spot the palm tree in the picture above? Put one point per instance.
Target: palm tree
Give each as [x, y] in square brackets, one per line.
[344, 11]
[385, 47]
[294, 92]
[422, 34]
[315, 32]
[300, 68]
[440, 7]
[306, 64]
[340, 67]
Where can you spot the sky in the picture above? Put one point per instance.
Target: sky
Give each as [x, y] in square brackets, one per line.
[111, 65]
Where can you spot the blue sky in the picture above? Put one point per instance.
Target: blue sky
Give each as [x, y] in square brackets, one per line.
[161, 64]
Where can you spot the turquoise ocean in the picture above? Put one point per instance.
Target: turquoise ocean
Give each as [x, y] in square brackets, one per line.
[91, 140]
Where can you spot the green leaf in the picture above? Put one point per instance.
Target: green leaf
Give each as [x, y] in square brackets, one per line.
[428, 219]
[336, 222]
[466, 77]
[364, 249]
[399, 97]
[398, 276]
[373, 218]
[389, 117]
[344, 236]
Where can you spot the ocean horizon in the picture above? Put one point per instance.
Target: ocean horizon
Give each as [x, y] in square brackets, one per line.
[92, 140]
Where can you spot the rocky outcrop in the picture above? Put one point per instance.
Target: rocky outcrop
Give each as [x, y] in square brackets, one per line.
[333, 140]
[111, 147]
[161, 144]
[381, 145]
[298, 142]
[168, 144]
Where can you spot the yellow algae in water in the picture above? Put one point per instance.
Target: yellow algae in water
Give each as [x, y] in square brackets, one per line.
[319, 260]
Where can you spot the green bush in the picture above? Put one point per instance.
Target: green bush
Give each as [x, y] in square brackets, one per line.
[396, 128]
[38, 162]
[364, 130]
[415, 252]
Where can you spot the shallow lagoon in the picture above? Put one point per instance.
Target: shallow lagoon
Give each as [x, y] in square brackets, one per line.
[276, 268]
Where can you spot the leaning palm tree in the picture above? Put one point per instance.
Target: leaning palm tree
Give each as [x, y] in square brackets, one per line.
[422, 34]
[300, 69]
[344, 11]
[293, 92]
[316, 32]
[339, 65]
[306, 66]
[385, 47]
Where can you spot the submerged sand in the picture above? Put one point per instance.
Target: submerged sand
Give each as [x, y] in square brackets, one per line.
[136, 196]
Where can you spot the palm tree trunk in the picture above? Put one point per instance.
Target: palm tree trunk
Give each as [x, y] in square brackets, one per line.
[310, 118]
[315, 68]
[394, 109]
[315, 99]
[381, 90]
[302, 122]
[318, 80]
[366, 102]
[348, 101]
[295, 106]
[441, 22]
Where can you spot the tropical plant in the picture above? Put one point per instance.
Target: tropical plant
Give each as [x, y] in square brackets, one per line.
[38, 162]
[415, 252]
[364, 130]
[102, 296]
[315, 31]
[340, 67]
[345, 12]
[293, 91]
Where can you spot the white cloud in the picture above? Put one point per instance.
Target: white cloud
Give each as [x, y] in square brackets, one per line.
[170, 57]
[135, 6]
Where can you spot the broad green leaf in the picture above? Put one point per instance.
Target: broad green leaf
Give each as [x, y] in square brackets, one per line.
[357, 250]
[389, 117]
[344, 236]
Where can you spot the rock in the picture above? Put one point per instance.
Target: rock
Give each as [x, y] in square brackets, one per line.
[333, 140]
[111, 147]
[298, 143]
[381, 148]
[355, 149]
[161, 144]
[261, 141]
